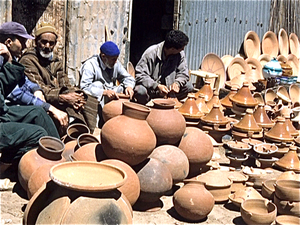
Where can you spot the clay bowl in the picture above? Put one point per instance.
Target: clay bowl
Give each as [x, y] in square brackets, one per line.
[238, 180]
[258, 211]
[259, 98]
[268, 189]
[236, 161]
[269, 44]
[255, 64]
[265, 149]
[283, 41]
[251, 45]
[294, 93]
[294, 44]
[287, 207]
[287, 220]
[270, 95]
[238, 147]
[267, 162]
[288, 190]
[264, 59]
[226, 59]
[251, 141]
[283, 94]
[257, 175]
[236, 66]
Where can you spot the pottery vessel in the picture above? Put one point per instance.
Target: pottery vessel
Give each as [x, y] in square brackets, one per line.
[206, 90]
[74, 130]
[287, 220]
[288, 190]
[237, 161]
[283, 94]
[200, 102]
[294, 93]
[166, 122]
[258, 211]
[155, 180]
[290, 127]
[48, 152]
[114, 107]
[257, 175]
[74, 198]
[193, 202]
[287, 207]
[261, 117]
[131, 187]
[278, 132]
[189, 108]
[267, 162]
[288, 175]
[128, 137]
[268, 189]
[265, 149]
[175, 159]
[290, 160]
[247, 123]
[214, 100]
[244, 97]
[226, 102]
[238, 179]
[238, 148]
[198, 148]
[89, 152]
[296, 115]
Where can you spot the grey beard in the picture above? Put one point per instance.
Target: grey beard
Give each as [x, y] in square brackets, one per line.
[46, 55]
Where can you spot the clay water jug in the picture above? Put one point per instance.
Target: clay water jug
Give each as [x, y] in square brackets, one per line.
[128, 137]
[114, 107]
[167, 123]
[193, 201]
[48, 152]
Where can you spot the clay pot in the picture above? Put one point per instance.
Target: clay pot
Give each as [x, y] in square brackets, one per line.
[290, 160]
[166, 122]
[265, 149]
[268, 189]
[226, 102]
[285, 207]
[278, 132]
[72, 197]
[258, 211]
[48, 152]
[236, 161]
[287, 220]
[193, 202]
[256, 175]
[89, 152]
[261, 117]
[189, 108]
[206, 90]
[290, 127]
[155, 180]
[244, 97]
[214, 101]
[75, 130]
[131, 187]
[288, 190]
[288, 175]
[247, 123]
[175, 159]
[200, 102]
[198, 148]
[114, 107]
[238, 148]
[128, 137]
[267, 162]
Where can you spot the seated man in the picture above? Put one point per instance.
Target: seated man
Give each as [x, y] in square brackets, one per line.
[100, 73]
[162, 70]
[21, 127]
[43, 68]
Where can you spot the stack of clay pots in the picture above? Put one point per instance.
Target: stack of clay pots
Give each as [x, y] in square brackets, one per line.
[265, 154]
[239, 153]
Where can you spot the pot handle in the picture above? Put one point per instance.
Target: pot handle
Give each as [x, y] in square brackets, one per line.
[217, 127]
[248, 213]
[290, 203]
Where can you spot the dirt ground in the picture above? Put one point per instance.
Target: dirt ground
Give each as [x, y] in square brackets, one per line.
[14, 200]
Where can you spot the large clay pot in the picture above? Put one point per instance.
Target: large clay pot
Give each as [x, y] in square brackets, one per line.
[72, 197]
[166, 122]
[155, 180]
[131, 187]
[48, 152]
[89, 152]
[175, 159]
[193, 202]
[114, 107]
[128, 137]
[198, 148]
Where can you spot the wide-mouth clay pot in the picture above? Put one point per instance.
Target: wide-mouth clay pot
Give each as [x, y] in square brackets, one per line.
[285, 207]
[265, 149]
[258, 211]
[268, 189]
[287, 220]
[244, 97]
[288, 190]
[244, 194]
[270, 95]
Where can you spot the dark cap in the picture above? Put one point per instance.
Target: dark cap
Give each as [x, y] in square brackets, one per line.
[14, 28]
[110, 49]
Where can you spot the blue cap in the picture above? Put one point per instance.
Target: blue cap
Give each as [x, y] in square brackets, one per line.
[14, 28]
[110, 49]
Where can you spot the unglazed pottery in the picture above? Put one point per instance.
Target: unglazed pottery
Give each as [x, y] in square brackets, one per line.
[128, 137]
[285, 207]
[283, 41]
[238, 148]
[287, 220]
[166, 122]
[251, 45]
[278, 132]
[114, 107]
[206, 90]
[294, 93]
[257, 175]
[294, 44]
[238, 179]
[265, 149]
[283, 94]
[258, 211]
[193, 201]
[189, 108]
[268, 189]
[290, 160]
[269, 44]
[75, 130]
[288, 190]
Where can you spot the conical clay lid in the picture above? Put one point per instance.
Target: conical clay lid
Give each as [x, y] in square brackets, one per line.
[247, 123]
[215, 116]
[226, 101]
[261, 117]
[290, 160]
[214, 100]
[290, 127]
[279, 133]
[244, 97]
[189, 108]
[200, 101]
[206, 90]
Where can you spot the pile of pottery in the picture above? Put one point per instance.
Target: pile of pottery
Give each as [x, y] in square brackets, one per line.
[239, 153]
[265, 154]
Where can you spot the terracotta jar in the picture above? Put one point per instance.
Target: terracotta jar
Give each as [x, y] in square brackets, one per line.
[278, 132]
[72, 197]
[175, 159]
[74, 131]
[198, 148]
[189, 108]
[166, 122]
[261, 117]
[193, 202]
[131, 187]
[206, 90]
[89, 152]
[155, 180]
[128, 137]
[48, 152]
[114, 107]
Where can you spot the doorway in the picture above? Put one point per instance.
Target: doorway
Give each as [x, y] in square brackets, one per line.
[151, 20]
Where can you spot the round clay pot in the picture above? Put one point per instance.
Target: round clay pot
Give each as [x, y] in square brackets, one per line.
[175, 159]
[72, 197]
[268, 189]
[155, 180]
[193, 202]
[166, 122]
[114, 107]
[285, 207]
[288, 190]
[198, 148]
[128, 137]
[258, 211]
[74, 130]
[131, 187]
[48, 152]
[287, 220]
[89, 152]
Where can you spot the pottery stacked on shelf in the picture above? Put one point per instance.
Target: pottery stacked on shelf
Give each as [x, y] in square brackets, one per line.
[238, 153]
[215, 123]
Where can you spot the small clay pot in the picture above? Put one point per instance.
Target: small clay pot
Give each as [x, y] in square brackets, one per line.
[288, 190]
[268, 189]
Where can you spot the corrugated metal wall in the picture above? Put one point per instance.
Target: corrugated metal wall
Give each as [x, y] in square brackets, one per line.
[5, 11]
[86, 22]
[220, 26]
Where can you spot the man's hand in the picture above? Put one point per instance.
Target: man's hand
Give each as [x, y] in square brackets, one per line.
[163, 90]
[175, 87]
[5, 52]
[61, 116]
[110, 94]
[76, 100]
[39, 94]
[129, 91]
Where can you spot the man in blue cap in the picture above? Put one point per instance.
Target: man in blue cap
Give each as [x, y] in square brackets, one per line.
[100, 73]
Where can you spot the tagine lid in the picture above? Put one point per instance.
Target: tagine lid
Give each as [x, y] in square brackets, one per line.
[247, 123]
[226, 101]
[279, 132]
[215, 178]
[244, 97]
[215, 116]
[261, 117]
[189, 108]
[290, 160]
